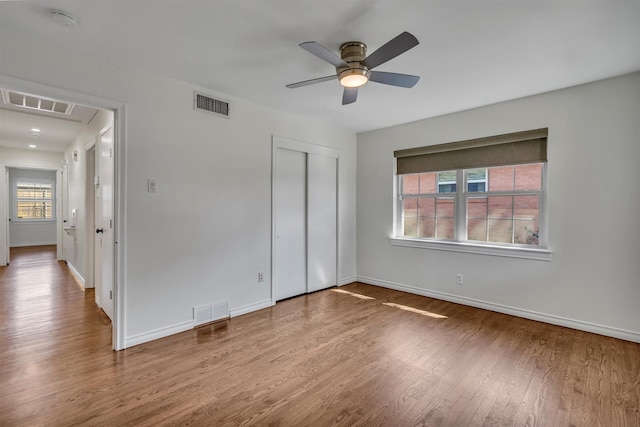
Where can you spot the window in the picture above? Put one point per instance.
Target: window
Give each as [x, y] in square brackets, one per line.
[495, 195]
[34, 199]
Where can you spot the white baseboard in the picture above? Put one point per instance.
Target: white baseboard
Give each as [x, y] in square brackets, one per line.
[514, 311]
[188, 325]
[25, 244]
[347, 280]
[75, 273]
[251, 307]
[158, 333]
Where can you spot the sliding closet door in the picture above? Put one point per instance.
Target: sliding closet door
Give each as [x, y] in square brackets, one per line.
[290, 190]
[321, 222]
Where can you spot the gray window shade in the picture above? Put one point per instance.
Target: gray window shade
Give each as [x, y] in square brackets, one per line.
[509, 149]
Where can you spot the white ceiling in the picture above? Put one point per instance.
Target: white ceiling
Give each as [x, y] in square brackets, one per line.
[57, 131]
[471, 52]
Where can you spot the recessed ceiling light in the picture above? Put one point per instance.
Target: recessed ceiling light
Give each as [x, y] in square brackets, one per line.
[35, 130]
[62, 18]
[32, 146]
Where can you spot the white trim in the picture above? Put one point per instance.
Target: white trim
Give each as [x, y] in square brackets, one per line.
[475, 248]
[251, 308]
[595, 328]
[307, 148]
[158, 333]
[347, 280]
[76, 273]
[27, 244]
[118, 339]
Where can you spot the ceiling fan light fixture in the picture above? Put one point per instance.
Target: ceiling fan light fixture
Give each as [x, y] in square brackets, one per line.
[354, 77]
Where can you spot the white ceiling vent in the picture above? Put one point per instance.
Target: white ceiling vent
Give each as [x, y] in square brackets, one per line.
[32, 102]
[206, 103]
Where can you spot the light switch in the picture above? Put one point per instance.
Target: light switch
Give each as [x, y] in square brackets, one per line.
[151, 185]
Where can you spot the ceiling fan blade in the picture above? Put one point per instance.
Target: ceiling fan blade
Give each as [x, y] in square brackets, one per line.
[311, 82]
[322, 52]
[394, 79]
[349, 95]
[391, 49]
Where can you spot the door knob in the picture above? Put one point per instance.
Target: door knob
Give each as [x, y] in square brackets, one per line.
[99, 230]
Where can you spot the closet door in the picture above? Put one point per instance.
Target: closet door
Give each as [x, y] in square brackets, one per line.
[321, 222]
[290, 264]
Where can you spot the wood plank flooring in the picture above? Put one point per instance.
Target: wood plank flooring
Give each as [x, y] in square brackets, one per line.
[329, 358]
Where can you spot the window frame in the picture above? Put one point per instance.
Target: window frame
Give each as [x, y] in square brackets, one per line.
[16, 199]
[460, 243]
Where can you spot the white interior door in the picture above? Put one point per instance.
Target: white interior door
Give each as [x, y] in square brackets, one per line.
[63, 206]
[90, 218]
[104, 222]
[290, 275]
[7, 216]
[322, 202]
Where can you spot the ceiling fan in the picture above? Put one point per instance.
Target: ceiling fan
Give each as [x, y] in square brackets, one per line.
[354, 67]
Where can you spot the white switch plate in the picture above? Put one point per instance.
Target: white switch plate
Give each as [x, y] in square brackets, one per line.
[151, 185]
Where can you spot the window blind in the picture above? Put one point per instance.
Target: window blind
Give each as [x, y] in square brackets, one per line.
[500, 150]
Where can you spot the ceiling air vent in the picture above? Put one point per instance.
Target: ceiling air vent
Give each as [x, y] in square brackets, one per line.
[210, 105]
[36, 103]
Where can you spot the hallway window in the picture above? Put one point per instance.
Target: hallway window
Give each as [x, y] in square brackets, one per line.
[34, 200]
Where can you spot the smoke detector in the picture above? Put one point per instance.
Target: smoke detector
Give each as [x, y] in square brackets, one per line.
[62, 18]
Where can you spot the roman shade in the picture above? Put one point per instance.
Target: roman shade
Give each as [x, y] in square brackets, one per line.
[508, 149]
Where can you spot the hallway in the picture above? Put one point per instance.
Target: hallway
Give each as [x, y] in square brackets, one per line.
[45, 316]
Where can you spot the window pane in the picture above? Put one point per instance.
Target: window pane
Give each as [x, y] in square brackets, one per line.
[526, 207]
[427, 206]
[477, 229]
[410, 184]
[30, 190]
[34, 210]
[500, 230]
[410, 206]
[528, 177]
[444, 207]
[501, 178]
[444, 223]
[410, 227]
[444, 228]
[526, 232]
[428, 183]
[447, 176]
[500, 206]
[479, 174]
[474, 187]
[427, 216]
[477, 207]
[426, 226]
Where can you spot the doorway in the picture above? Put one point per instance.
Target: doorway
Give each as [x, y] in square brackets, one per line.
[115, 225]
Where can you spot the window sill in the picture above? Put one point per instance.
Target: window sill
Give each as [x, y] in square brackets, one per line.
[475, 248]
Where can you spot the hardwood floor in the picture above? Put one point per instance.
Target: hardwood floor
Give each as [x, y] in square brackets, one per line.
[329, 358]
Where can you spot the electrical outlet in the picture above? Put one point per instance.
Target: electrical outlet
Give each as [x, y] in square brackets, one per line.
[151, 185]
[459, 278]
[260, 277]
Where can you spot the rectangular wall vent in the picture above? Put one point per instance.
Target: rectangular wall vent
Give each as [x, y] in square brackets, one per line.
[210, 105]
[33, 102]
[210, 313]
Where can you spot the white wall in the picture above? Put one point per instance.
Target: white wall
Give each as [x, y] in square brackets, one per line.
[593, 280]
[31, 233]
[75, 243]
[10, 157]
[206, 233]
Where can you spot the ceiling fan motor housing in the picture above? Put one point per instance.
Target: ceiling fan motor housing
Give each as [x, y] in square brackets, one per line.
[353, 53]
